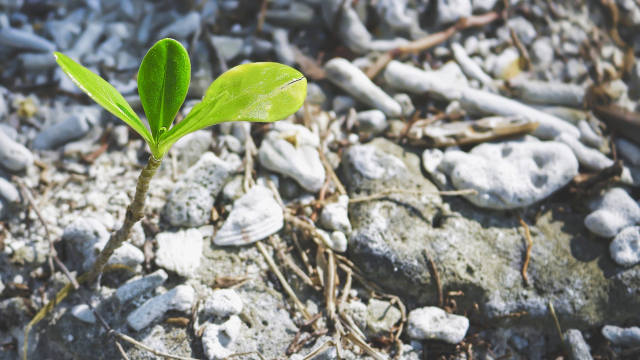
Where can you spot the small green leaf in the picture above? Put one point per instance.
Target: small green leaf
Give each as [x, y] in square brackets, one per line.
[258, 92]
[163, 81]
[103, 93]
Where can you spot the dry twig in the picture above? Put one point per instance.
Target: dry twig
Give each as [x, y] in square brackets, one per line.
[435, 275]
[527, 258]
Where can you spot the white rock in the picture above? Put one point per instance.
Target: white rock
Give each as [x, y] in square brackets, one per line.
[8, 191]
[342, 103]
[218, 339]
[255, 216]
[393, 12]
[188, 205]
[405, 103]
[127, 255]
[625, 247]
[445, 83]
[505, 63]
[622, 337]
[590, 158]
[84, 313]
[352, 80]
[137, 287]
[210, 172]
[612, 212]
[451, 10]
[80, 238]
[339, 241]
[282, 48]
[470, 67]
[549, 93]
[511, 175]
[180, 252]
[542, 53]
[24, 40]
[335, 215]
[435, 324]
[223, 303]
[629, 150]
[1, 286]
[483, 6]
[179, 298]
[576, 346]
[227, 47]
[14, 156]
[301, 163]
[523, 29]
[590, 137]
[372, 122]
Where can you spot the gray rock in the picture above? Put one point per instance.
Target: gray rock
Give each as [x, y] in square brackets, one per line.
[381, 317]
[510, 175]
[342, 103]
[315, 94]
[629, 337]
[9, 192]
[223, 303]
[24, 40]
[451, 10]
[372, 122]
[191, 147]
[182, 27]
[612, 212]
[283, 50]
[180, 252]
[298, 14]
[394, 14]
[590, 158]
[625, 247]
[72, 128]
[576, 346]
[301, 163]
[80, 237]
[335, 215]
[83, 313]
[549, 93]
[120, 135]
[189, 205]
[588, 136]
[127, 255]
[352, 80]
[227, 47]
[445, 83]
[523, 28]
[13, 155]
[136, 287]
[629, 150]
[218, 339]
[210, 172]
[255, 216]
[1, 286]
[180, 298]
[435, 324]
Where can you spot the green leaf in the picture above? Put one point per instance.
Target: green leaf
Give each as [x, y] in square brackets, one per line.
[163, 82]
[258, 92]
[103, 93]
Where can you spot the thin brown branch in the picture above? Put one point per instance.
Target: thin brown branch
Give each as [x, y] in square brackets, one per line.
[332, 174]
[434, 273]
[527, 258]
[525, 59]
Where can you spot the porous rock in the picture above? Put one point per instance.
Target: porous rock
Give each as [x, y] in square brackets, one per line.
[335, 215]
[576, 346]
[435, 324]
[625, 247]
[223, 302]
[179, 298]
[218, 339]
[381, 317]
[180, 252]
[612, 212]
[189, 205]
[622, 336]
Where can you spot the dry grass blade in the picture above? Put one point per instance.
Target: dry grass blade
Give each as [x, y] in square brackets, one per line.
[330, 284]
[527, 258]
[436, 277]
[145, 347]
[332, 174]
[320, 349]
[363, 344]
[555, 319]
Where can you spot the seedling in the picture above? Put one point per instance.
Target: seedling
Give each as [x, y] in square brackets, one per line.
[256, 92]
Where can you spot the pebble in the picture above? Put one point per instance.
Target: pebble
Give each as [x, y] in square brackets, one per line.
[223, 303]
[628, 337]
[335, 215]
[189, 206]
[625, 247]
[470, 67]
[405, 103]
[394, 14]
[612, 212]
[13, 155]
[24, 40]
[542, 53]
[549, 93]
[255, 216]
[298, 14]
[590, 137]
[301, 163]
[629, 150]
[134, 288]
[445, 83]
[282, 48]
[451, 10]
[127, 255]
[576, 346]
[8, 191]
[523, 28]
[180, 298]
[342, 103]
[339, 242]
[182, 27]
[483, 6]
[510, 175]
[590, 158]
[432, 323]
[352, 80]
[227, 47]
[210, 172]
[180, 252]
[72, 128]
[83, 313]
[372, 122]
[506, 65]
[217, 339]
[381, 317]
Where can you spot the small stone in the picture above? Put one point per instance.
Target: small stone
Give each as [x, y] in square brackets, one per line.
[342, 103]
[507, 64]
[335, 215]
[625, 247]
[179, 298]
[134, 288]
[223, 303]
[182, 27]
[228, 47]
[24, 40]
[612, 212]
[629, 337]
[339, 241]
[381, 317]
[576, 346]
[542, 53]
[434, 323]
[80, 237]
[405, 103]
[315, 94]
[282, 48]
[451, 10]
[255, 216]
[13, 155]
[120, 135]
[217, 339]
[127, 255]
[210, 172]
[523, 29]
[511, 175]
[483, 6]
[8, 191]
[372, 122]
[84, 313]
[358, 312]
[590, 158]
[189, 205]
[590, 137]
[629, 150]
[180, 252]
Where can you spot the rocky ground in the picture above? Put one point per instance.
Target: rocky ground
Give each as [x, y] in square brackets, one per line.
[461, 183]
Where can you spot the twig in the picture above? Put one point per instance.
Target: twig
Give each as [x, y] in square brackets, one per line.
[249, 147]
[385, 193]
[525, 63]
[332, 174]
[435, 275]
[261, 16]
[296, 269]
[303, 254]
[145, 347]
[283, 281]
[555, 319]
[527, 257]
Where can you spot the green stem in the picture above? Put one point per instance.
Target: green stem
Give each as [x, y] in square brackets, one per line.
[135, 213]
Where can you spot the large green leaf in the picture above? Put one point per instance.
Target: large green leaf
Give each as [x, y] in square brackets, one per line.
[258, 92]
[163, 82]
[103, 93]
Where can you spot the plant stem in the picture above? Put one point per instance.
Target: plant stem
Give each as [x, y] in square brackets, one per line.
[135, 213]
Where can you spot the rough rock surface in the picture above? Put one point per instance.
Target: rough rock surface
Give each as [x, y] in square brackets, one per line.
[434, 323]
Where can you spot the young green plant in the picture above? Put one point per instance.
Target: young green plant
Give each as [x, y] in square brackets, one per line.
[256, 92]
